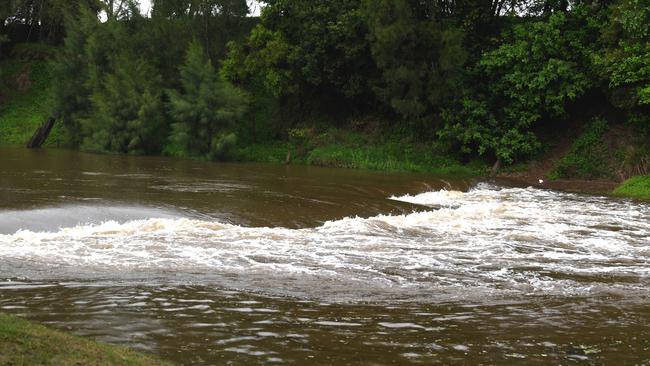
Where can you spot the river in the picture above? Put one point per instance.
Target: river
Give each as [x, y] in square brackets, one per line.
[204, 263]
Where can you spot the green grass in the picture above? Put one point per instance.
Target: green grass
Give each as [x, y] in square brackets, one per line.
[344, 149]
[635, 187]
[22, 112]
[589, 156]
[390, 157]
[25, 343]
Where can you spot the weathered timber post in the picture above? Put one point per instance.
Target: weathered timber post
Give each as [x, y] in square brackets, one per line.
[41, 134]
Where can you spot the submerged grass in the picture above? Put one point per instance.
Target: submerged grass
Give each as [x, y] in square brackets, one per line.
[390, 157]
[24, 343]
[345, 149]
[635, 187]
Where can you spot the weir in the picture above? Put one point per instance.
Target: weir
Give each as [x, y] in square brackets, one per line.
[205, 263]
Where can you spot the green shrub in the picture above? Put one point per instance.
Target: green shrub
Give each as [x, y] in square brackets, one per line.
[540, 68]
[304, 141]
[635, 161]
[223, 146]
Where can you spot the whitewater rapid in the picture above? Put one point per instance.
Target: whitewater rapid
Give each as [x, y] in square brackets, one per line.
[487, 242]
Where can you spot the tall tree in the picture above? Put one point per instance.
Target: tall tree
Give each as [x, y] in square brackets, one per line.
[308, 48]
[108, 92]
[205, 111]
[126, 114]
[420, 57]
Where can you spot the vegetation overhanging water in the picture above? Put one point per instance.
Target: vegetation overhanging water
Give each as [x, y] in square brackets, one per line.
[246, 263]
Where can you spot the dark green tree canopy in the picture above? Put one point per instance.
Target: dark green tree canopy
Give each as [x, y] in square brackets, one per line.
[303, 47]
[205, 110]
[482, 77]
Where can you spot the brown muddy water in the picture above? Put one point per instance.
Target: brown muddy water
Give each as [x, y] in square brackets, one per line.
[206, 264]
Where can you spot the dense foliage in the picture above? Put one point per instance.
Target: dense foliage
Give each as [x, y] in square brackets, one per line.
[540, 68]
[114, 66]
[626, 59]
[420, 57]
[488, 79]
[205, 109]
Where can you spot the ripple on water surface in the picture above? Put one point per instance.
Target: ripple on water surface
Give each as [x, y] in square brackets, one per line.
[128, 250]
[203, 325]
[490, 242]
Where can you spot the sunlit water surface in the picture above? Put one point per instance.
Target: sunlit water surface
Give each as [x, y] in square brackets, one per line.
[212, 263]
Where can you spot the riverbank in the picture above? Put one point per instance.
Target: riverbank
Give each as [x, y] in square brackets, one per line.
[26, 100]
[347, 149]
[577, 163]
[25, 343]
[635, 187]
[596, 157]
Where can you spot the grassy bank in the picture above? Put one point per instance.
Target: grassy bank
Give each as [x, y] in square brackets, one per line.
[635, 187]
[601, 151]
[347, 149]
[605, 150]
[24, 343]
[26, 100]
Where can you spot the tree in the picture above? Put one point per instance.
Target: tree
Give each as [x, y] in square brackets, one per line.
[214, 22]
[625, 61]
[532, 77]
[314, 49]
[108, 93]
[126, 114]
[193, 8]
[205, 111]
[45, 18]
[119, 9]
[420, 58]
[79, 55]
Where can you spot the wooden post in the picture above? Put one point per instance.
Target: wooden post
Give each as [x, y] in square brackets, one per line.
[41, 134]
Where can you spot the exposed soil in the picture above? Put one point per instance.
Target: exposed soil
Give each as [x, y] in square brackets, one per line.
[536, 174]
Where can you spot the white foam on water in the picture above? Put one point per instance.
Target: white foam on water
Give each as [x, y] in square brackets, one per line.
[484, 242]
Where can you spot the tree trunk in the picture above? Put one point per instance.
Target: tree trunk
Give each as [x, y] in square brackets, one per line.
[496, 167]
[41, 134]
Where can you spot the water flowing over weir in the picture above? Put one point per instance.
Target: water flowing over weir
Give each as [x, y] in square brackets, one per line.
[326, 267]
[489, 241]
